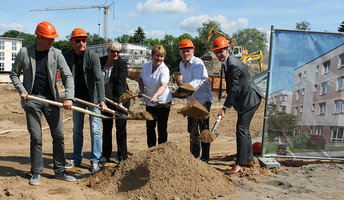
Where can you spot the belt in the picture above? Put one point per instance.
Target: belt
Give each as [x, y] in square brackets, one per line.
[34, 92]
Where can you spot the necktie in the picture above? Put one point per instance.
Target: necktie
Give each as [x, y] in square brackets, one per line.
[220, 90]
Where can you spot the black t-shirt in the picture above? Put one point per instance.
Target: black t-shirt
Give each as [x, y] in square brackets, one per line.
[41, 83]
[81, 90]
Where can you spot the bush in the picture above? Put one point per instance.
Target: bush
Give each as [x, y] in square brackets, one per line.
[316, 142]
[300, 141]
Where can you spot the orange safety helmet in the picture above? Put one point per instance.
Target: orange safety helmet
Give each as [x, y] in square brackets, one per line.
[220, 43]
[257, 147]
[186, 43]
[78, 32]
[46, 29]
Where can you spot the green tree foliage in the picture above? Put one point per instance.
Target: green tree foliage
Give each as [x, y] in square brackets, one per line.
[304, 25]
[203, 34]
[279, 123]
[27, 38]
[123, 39]
[94, 39]
[341, 27]
[139, 36]
[172, 53]
[63, 45]
[300, 141]
[251, 39]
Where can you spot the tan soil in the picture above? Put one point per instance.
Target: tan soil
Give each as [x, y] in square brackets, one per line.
[186, 89]
[194, 110]
[162, 172]
[144, 115]
[206, 136]
[127, 95]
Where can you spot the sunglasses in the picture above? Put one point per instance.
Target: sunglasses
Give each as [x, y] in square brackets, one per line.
[113, 51]
[80, 40]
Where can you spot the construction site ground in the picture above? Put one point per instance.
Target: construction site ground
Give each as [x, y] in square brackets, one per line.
[164, 172]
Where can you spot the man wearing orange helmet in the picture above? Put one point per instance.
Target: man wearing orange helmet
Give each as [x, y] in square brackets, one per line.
[194, 72]
[244, 96]
[89, 86]
[39, 63]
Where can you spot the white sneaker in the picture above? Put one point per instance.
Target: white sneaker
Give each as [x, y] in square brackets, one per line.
[71, 164]
[95, 167]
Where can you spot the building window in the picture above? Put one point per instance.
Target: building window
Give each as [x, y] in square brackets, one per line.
[303, 91]
[339, 107]
[284, 97]
[2, 56]
[341, 61]
[324, 88]
[341, 83]
[283, 108]
[318, 130]
[297, 96]
[296, 110]
[2, 45]
[313, 107]
[315, 88]
[317, 69]
[326, 67]
[14, 55]
[301, 109]
[322, 108]
[299, 78]
[2, 66]
[14, 46]
[311, 131]
[337, 134]
[304, 74]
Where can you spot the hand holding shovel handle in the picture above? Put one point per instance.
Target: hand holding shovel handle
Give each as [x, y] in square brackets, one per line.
[120, 106]
[149, 98]
[73, 107]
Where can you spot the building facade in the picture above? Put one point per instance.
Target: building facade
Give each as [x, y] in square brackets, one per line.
[9, 48]
[318, 97]
[280, 101]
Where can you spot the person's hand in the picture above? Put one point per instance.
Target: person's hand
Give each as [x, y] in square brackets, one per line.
[67, 104]
[102, 106]
[24, 95]
[154, 98]
[222, 113]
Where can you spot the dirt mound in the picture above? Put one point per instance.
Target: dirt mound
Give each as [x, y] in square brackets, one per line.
[162, 172]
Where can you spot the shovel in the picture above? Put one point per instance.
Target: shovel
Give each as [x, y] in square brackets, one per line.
[149, 98]
[206, 136]
[121, 107]
[73, 107]
[97, 106]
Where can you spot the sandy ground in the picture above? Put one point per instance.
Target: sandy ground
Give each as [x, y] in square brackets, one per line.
[164, 172]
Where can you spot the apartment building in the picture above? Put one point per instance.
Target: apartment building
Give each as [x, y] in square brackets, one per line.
[318, 96]
[280, 101]
[9, 48]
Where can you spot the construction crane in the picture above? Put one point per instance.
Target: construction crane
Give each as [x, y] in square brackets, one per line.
[258, 55]
[104, 6]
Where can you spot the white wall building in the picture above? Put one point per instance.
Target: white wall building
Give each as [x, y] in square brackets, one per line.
[9, 48]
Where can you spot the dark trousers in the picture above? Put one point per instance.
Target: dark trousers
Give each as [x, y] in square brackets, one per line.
[195, 127]
[121, 134]
[162, 114]
[34, 111]
[243, 137]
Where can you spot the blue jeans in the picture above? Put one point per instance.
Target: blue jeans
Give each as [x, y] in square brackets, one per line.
[78, 138]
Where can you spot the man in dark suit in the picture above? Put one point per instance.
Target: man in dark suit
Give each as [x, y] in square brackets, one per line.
[39, 63]
[115, 72]
[244, 96]
[89, 86]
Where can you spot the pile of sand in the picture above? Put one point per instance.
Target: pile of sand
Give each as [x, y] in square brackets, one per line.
[194, 110]
[162, 172]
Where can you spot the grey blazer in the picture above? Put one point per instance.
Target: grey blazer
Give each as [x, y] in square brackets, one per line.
[26, 62]
[92, 72]
[242, 93]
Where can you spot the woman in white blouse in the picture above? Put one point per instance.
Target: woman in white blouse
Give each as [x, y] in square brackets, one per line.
[155, 83]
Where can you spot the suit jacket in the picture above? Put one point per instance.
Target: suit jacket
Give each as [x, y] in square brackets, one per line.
[242, 93]
[26, 62]
[92, 73]
[118, 77]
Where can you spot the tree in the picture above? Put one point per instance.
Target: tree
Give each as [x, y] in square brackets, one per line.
[123, 39]
[203, 33]
[172, 54]
[63, 45]
[304, 25]
[251, 39]
[94, 39]
[341, 27]
[27, 38]
[279, 123]
[139, 36]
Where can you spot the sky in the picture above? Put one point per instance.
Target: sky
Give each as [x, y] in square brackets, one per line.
[170, 17]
